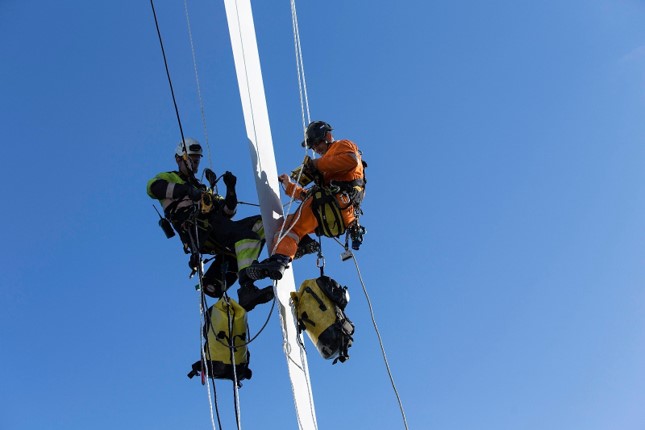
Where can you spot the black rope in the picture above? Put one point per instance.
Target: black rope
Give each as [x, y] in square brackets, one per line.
[320, 259]
[231, 351]
[207, 322]
[165, 62]
[206, 360]
[172, 93]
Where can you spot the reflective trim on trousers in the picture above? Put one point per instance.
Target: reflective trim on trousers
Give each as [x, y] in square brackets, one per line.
[246, 251]
[258, 228]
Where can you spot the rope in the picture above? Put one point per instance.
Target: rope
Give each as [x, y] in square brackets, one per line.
[231, 348]
[380, 340]
[266, 322]
[165, 61]
[304, 109]
[199, 92]
[291, 221]
[213, 400]
[287, 352]
[302, 82]
[206, 358]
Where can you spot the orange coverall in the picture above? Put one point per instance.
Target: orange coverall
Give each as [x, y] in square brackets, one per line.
[341, 162]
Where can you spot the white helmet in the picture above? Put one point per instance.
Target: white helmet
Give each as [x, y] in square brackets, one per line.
[193, 147]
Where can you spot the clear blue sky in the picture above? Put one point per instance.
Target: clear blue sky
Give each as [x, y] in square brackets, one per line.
[505, 208]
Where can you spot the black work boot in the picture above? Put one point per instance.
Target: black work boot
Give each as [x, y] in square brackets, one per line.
[306, 246]
[249, 295]
[215, 289]
[273, 268]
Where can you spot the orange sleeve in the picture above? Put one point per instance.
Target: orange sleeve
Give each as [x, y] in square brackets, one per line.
[299, 191]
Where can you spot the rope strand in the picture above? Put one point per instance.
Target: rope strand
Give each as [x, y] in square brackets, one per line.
[165, 62]
[380, 340]
[199, 91]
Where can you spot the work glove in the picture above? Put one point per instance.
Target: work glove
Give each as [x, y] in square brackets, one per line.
[195, 194]
[211, 177]
[194, 262]
[229, 179]
[187, 190]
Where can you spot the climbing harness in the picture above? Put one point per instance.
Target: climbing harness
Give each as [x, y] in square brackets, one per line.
[327, 211]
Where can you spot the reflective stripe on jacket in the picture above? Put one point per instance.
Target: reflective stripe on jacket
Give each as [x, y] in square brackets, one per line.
[166, 200]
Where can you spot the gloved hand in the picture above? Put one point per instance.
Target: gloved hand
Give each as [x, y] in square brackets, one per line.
[229, 179]
[284, 179]
[194, 262]
[195, 194]
[211, 177]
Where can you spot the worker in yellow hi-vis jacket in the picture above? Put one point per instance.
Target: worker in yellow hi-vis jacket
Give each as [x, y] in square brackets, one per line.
[204, 222]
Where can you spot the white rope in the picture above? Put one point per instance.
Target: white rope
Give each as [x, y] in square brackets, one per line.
[380, 340]
[202, 313]
[301, 347]
[305, 114]
[302, 82]
[292, 221]
[282, 322]
[287, 352]
[199, 92]
[231, 347]
[304, 111]
[203, 318]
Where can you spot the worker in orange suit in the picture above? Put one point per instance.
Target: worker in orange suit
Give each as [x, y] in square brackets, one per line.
[340, 165]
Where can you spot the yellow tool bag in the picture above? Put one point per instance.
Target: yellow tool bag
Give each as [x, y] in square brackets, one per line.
[225, 351]
[320, 310]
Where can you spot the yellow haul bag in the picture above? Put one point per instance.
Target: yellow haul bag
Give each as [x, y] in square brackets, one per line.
[226, 355]
[320, 309]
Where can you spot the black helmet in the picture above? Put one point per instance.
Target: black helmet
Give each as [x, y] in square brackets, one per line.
[316, 131]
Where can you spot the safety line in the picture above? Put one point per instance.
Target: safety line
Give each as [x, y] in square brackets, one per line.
[205, 358]
[206, 318]
[282, 325]
[302, 82]
[165, 61]
[199, 92]
[378, 334]
[231, 350]
[304, 111]
[287, 352]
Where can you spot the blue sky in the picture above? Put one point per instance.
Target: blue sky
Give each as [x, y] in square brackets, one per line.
[504, 210]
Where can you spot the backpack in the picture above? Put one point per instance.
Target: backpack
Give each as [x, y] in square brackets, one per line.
[320, 311]
[217, 353]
